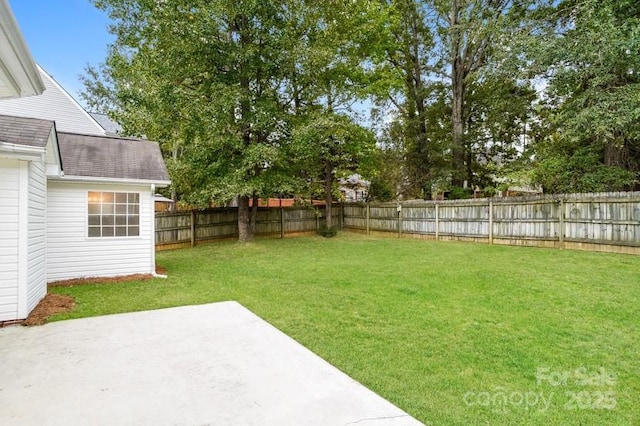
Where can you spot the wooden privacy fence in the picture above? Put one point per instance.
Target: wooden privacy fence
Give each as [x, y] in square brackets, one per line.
[187, 228]
[599, 222]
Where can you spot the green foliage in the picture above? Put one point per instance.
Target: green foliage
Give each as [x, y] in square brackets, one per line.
[253, 98]
[327, 232]
[380, 190]
[595, 107]
[578, 170]
[223, 86]
[458, 193]
[458, 106]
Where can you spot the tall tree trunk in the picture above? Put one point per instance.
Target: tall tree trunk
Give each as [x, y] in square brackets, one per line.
[253, 215]
[458, 75]
[245, 231]
[457, 119]
[174, 193]
[328, 192]
[244, 216]
[422, 141]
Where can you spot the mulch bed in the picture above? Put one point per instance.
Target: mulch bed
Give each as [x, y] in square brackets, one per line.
[59, 303]
[100, 280]
[51, 304]
[107, 280]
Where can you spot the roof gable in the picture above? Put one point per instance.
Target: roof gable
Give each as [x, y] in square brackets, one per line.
[111, 158]
[54, 104]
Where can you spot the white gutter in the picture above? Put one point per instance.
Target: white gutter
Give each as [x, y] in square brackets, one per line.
[30, 152]
[120, 181]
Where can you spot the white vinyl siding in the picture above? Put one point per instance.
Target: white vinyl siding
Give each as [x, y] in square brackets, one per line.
[72, 254]
[53, 104]
[9, 224]
[36, 276]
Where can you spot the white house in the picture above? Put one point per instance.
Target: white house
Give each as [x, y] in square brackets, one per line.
[74, 202]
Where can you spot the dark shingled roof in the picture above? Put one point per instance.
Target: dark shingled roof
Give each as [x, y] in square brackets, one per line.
[25, 131]
[111, 157]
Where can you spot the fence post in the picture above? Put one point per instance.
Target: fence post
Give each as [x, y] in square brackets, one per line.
[368, 218]
[281, 222]
[561, 230]
[193, 228]
[318, 220]
[341, 215]
[437, 221]
[399, 209]
[490, 221]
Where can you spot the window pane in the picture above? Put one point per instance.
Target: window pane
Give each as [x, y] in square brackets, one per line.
[107, 220]
[134, 209]
[107, 209]
[134, 231]
[134, 198]
[121, 197]
[94, 231]
[121, 209]
[134, 220]
[107, 231]
[121, 231]
[107, 197]
[121, 220]
[94, 197]
[94, 208]
[94, 220]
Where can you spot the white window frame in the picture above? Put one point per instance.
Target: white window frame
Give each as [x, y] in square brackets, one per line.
[113, 214]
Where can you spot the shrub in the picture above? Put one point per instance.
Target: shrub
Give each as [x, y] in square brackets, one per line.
[327, 232]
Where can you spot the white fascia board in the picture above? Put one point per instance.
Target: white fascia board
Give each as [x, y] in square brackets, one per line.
[53, 160]
[17, 67]
[21, 152]
[91, 179]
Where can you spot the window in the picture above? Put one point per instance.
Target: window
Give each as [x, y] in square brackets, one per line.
[114, 214]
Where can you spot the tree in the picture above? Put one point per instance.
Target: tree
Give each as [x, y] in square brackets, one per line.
[594, 81]
[331, 145]
[208, 74]
[330, 68]
[444, 51]
[223, 85]
[409, 64]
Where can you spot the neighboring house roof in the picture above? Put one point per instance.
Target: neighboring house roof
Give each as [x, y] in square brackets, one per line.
[110, 126]
[25, 131]
[18, 73]
[112, 158]
[54, 104]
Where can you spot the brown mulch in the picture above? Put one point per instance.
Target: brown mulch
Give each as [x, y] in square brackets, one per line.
[100, 280]
[51, 304]
[107, 280]
[58, 303]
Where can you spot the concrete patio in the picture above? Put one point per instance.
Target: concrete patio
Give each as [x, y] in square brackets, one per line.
[216, 364]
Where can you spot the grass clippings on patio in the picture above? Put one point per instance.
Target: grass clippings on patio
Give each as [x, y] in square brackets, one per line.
[452, 333]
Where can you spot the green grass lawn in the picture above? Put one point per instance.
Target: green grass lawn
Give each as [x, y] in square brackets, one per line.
[444, 330]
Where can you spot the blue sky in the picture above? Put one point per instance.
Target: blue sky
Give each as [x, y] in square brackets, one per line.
[63, 36]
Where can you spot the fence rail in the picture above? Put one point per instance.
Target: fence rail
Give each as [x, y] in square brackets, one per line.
[599, 221]
[188, 228]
